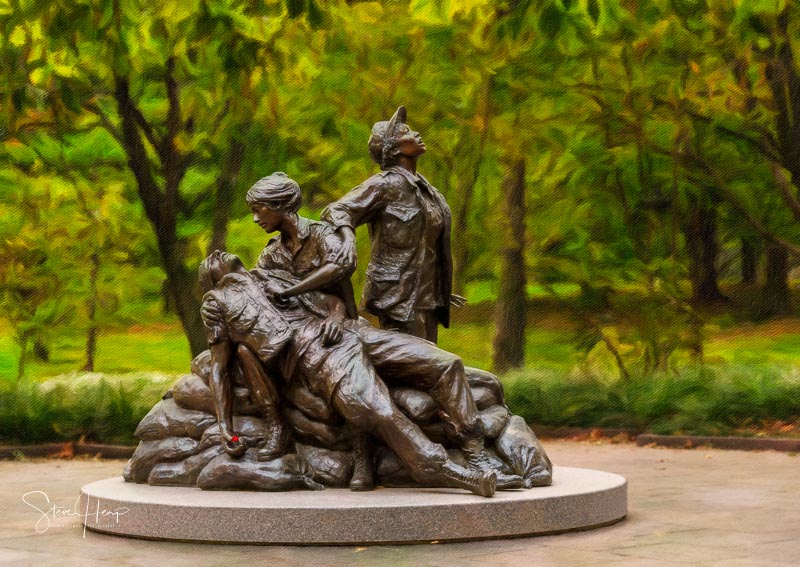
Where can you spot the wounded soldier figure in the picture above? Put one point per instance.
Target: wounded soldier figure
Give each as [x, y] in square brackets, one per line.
[308, 338]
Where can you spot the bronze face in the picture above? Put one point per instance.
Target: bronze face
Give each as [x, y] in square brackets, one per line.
[222, 263]
[410, 143]
[217, 267]
[267, 218]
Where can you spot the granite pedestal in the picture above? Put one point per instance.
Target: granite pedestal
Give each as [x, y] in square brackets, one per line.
[578, 499]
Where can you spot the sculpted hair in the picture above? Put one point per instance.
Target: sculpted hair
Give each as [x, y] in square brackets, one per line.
[277, 191]
[205, 273]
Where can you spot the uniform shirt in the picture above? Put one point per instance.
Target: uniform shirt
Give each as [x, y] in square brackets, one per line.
[319, 245]
[239, 311]
[411, 266]
[285, 338]
[427, 294]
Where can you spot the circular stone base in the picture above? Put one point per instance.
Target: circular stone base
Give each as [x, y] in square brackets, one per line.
[579, 499]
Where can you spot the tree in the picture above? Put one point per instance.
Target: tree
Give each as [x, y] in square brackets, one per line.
[509, 340]
[33, 266]
[742, 106]
[702, 247]
[176, 88]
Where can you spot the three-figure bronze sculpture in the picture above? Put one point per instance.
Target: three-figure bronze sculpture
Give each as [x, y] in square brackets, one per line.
[297, 391]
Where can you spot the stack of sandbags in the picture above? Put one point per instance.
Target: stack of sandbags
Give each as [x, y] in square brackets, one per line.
[170, 451]
[511, 445]
[181, 446]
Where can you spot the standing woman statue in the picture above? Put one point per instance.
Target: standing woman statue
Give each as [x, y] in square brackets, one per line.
[410, 272]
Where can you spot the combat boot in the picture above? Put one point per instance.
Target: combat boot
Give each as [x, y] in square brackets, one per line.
[456, 476]
[477, 460]
[363, 477]
[277, 436]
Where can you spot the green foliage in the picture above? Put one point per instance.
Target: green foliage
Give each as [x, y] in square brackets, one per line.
[716, 400]
[95, 408]
[713, 400]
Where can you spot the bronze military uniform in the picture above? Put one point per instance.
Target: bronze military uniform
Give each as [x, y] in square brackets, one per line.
[410, 270]
[397, 357]
[342, 374]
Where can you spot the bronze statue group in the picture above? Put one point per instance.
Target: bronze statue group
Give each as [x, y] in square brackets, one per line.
[317, 373]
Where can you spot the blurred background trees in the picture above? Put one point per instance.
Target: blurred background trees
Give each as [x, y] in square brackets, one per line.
[633, 164]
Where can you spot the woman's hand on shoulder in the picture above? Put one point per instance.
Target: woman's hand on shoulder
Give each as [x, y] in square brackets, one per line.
[347, 255]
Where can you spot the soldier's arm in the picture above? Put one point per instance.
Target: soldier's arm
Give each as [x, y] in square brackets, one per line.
[325, 275]
[331, 270]
[357, 207]
[219, 381]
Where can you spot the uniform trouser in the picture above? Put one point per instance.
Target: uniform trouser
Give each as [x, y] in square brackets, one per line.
[424, 325]
[404, 359]
[363, 400]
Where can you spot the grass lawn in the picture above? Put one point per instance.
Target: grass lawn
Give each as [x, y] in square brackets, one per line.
[544, 348]
[156, 348]
[774, 342]
[163, 348]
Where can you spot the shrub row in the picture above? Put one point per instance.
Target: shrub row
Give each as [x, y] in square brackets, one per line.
[99, 408]
[713, 400]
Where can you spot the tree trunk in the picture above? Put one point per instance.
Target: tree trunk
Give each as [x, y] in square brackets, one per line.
[91, 348]
[185, 290]
[183, 287]
[23, 345]
[702, 248]
[40, 350]
[776, 300]
[223, 199]
[461, 243]
[783, 80]
[91, 335]
[161, 206]
[749, 256]
[509, 340]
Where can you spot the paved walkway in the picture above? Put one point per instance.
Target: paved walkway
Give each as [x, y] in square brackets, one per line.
[699, 507]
